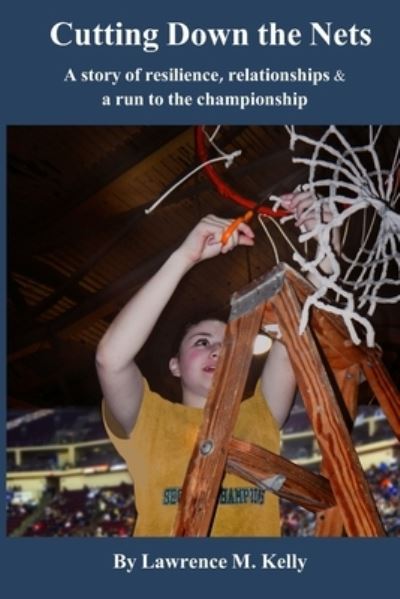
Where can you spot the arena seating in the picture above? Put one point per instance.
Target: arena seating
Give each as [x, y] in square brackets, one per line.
[109, 511]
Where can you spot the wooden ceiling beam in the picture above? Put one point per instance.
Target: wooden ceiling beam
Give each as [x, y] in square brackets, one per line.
[95, 306]
[91, 309]
[46, 274]
[133, 218]
[130, 219]
[102, 178]
[64, 232]
[16, 297]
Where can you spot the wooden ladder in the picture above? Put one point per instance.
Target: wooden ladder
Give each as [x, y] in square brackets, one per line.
[327, 366]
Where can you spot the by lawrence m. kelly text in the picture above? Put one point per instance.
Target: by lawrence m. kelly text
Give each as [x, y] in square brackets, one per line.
[272, 562]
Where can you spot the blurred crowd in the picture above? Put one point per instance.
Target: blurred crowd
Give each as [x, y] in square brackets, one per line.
[110, 511]
[88, 512]
[384, 482]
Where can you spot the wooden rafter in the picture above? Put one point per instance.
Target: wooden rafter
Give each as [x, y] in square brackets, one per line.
[120, 165]
[94, 307]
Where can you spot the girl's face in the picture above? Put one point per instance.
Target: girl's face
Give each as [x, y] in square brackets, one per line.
[197, 359]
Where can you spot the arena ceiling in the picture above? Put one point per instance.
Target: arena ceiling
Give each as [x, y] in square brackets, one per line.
[80, 243]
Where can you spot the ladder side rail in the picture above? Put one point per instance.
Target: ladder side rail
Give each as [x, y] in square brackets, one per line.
[329, 523]
[207, 464]
[348, 483]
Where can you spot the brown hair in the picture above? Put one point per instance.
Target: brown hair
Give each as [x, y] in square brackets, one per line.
[219, 315]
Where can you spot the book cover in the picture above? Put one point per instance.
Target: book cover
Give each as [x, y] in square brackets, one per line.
[101, 103]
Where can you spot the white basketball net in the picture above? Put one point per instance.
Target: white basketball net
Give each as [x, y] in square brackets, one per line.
[355, 182]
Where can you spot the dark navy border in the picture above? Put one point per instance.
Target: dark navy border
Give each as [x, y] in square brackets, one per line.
[33, 93]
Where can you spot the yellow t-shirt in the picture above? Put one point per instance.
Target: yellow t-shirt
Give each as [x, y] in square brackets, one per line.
[157, 454]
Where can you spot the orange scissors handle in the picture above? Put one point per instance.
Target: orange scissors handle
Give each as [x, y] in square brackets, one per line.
[227, 234]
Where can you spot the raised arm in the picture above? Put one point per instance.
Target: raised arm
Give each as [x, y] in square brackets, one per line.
[120, 378]
[278, 382]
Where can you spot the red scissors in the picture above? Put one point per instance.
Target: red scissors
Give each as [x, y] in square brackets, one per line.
[229, 231]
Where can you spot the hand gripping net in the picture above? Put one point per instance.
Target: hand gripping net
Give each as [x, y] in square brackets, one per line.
[349, 183]
[356, 187]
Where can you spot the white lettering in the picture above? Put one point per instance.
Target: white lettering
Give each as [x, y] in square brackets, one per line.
[179, 34]
[276, 36]
[183, 563]
[122, 562]
[354, 36]
[241, 561]
[70, 76]
[54, 33]
[291, 561]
